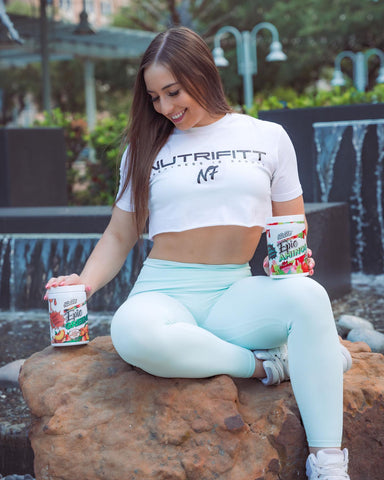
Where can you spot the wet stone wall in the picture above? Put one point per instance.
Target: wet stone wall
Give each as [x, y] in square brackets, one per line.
[28, 261]
[340, 154]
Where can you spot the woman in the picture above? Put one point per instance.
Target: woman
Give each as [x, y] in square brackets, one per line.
[207, 179]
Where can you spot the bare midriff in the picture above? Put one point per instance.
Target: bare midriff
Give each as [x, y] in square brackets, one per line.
[229, 244]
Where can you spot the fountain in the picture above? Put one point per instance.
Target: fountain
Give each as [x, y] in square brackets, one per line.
[379, 181]
[327, 144]
[340, 158]
[37, 251]
[366, 210]
[28, 260]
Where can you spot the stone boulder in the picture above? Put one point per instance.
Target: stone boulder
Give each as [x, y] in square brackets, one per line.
[357, 329]
[373, 338]
[96, 417]
[346, 323]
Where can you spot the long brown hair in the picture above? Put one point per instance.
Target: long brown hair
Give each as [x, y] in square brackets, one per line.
[189, 59]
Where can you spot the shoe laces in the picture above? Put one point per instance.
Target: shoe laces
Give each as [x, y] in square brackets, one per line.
[335, 471]
[275, 364]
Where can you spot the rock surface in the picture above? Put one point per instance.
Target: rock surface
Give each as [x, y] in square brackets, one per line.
[96, 417]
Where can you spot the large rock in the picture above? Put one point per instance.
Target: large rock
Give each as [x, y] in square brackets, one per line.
[371, 337]
[96, 417]
[346, 323]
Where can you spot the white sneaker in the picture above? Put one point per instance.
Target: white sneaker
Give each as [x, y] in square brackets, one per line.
[328, 464]
[347, 359]
[275, 364]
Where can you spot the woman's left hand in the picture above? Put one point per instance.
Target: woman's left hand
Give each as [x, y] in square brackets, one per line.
[311, 263]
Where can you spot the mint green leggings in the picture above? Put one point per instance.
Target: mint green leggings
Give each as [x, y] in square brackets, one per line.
[195, 321]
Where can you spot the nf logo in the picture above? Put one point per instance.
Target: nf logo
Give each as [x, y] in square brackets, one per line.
[210, 171]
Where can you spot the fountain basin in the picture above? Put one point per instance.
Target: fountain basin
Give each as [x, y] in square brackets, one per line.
[37, 243]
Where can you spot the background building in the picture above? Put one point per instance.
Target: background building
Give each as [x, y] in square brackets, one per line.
[100, 12]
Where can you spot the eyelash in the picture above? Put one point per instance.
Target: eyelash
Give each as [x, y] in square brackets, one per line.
[171, 94]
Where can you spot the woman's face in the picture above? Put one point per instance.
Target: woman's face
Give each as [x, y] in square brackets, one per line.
[171, 100]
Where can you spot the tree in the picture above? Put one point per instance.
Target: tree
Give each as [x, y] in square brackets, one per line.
[312, 33]
[203, 16]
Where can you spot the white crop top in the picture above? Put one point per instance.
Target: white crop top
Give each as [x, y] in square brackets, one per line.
[225, 173]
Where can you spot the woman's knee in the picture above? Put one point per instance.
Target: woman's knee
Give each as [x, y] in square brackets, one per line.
[295, 293]
[309, 303]
[130, 330]
[302, 288]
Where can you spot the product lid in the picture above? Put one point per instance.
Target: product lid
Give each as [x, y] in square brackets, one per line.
[66, 289]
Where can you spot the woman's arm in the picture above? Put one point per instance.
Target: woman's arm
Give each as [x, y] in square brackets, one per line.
[291, 207]
[107, 257]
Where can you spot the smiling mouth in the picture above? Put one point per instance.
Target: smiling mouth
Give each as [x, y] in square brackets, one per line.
[178, 117]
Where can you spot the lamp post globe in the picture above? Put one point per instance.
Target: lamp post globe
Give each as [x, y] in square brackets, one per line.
[246, 51]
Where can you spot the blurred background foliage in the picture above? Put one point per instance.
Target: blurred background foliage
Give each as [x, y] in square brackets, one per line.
[91, 178]
[100, 176]
[312, 33]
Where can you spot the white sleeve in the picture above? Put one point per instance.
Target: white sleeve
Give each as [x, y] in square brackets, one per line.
[285, 180]
[124, 202]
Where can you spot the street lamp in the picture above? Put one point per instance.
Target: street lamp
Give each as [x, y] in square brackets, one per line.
[247, 53]
[360, 68]
[44, 48]
[83, 28]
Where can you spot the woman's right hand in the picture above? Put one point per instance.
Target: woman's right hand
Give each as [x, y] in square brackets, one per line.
[266, 265]
[65, 280]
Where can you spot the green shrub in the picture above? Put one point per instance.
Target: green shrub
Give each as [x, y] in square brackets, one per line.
[319, 98]
[96, 185]
[102, 173]
[75, 136]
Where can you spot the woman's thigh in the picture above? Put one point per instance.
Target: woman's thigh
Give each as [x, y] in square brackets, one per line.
[138, 326]
[259, 312]
[143, 315]
[158, 334]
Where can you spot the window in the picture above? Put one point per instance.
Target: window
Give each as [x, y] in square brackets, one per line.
[89, 6]
[106, 8]
[65, 4]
